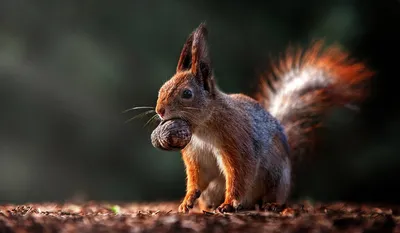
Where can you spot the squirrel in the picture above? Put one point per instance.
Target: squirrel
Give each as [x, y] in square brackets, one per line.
[243, 148]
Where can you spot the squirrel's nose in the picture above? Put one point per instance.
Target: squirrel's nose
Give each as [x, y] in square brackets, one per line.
[160, 111]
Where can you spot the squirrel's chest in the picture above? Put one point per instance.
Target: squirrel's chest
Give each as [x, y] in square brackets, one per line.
[206, 150]
[204, 143]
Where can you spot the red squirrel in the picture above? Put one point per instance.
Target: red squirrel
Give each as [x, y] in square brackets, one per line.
[242, 149]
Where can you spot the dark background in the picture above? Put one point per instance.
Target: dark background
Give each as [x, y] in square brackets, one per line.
[69, 68]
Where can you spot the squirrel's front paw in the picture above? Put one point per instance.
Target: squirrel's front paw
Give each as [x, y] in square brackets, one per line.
[189, 201]
[225, 208]
[229, 207]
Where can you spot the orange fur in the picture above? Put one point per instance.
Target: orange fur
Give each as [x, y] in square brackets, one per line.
[193, 183]
[331, 60]
[239, 153]
[349, 78]
[234, 135]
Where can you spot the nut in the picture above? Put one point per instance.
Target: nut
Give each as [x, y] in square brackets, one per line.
[172, 134]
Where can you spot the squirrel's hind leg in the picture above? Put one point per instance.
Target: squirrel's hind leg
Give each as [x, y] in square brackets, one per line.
[213, 195]
[275, 203]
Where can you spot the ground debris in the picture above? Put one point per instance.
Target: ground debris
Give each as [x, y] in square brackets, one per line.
[162, 217]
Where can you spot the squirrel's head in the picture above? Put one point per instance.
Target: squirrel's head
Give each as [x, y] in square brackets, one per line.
[189, 93]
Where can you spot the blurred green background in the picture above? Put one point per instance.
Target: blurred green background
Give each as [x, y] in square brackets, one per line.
[69, 68]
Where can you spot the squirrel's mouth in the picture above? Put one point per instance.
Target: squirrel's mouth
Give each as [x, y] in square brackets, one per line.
[163, 121]
[170, 119]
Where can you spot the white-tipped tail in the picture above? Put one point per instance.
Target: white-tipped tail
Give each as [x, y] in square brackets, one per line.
[308, 83]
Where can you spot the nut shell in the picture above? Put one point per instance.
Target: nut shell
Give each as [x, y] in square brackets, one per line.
[171, 135]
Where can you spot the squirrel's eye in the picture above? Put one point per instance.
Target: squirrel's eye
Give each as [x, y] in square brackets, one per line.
[187, 94]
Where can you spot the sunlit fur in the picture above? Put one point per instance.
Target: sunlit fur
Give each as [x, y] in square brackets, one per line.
[175, 106]
[305, 84]
[239, 153]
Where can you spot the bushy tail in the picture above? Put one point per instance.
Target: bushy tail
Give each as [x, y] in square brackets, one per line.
[305, 84]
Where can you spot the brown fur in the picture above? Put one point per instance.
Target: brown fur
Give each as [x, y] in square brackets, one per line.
[349, 78]
[238, 153]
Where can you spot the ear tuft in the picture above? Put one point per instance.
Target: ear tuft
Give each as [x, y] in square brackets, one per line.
[185, 59]
[201, 63]
[200, 49]
[194, 57]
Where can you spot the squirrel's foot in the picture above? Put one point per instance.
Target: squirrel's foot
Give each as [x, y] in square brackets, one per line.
[189, 201]
[225, 208]
[229, 207]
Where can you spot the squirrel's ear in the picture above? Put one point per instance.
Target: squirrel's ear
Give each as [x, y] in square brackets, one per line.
[185, 59]
[201, 64]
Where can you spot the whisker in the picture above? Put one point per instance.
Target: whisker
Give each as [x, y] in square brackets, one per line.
[136, 108]
[151, 119]
[191, 115]
[140, 115]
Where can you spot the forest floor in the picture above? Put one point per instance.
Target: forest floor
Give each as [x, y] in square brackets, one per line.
[162, 217]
